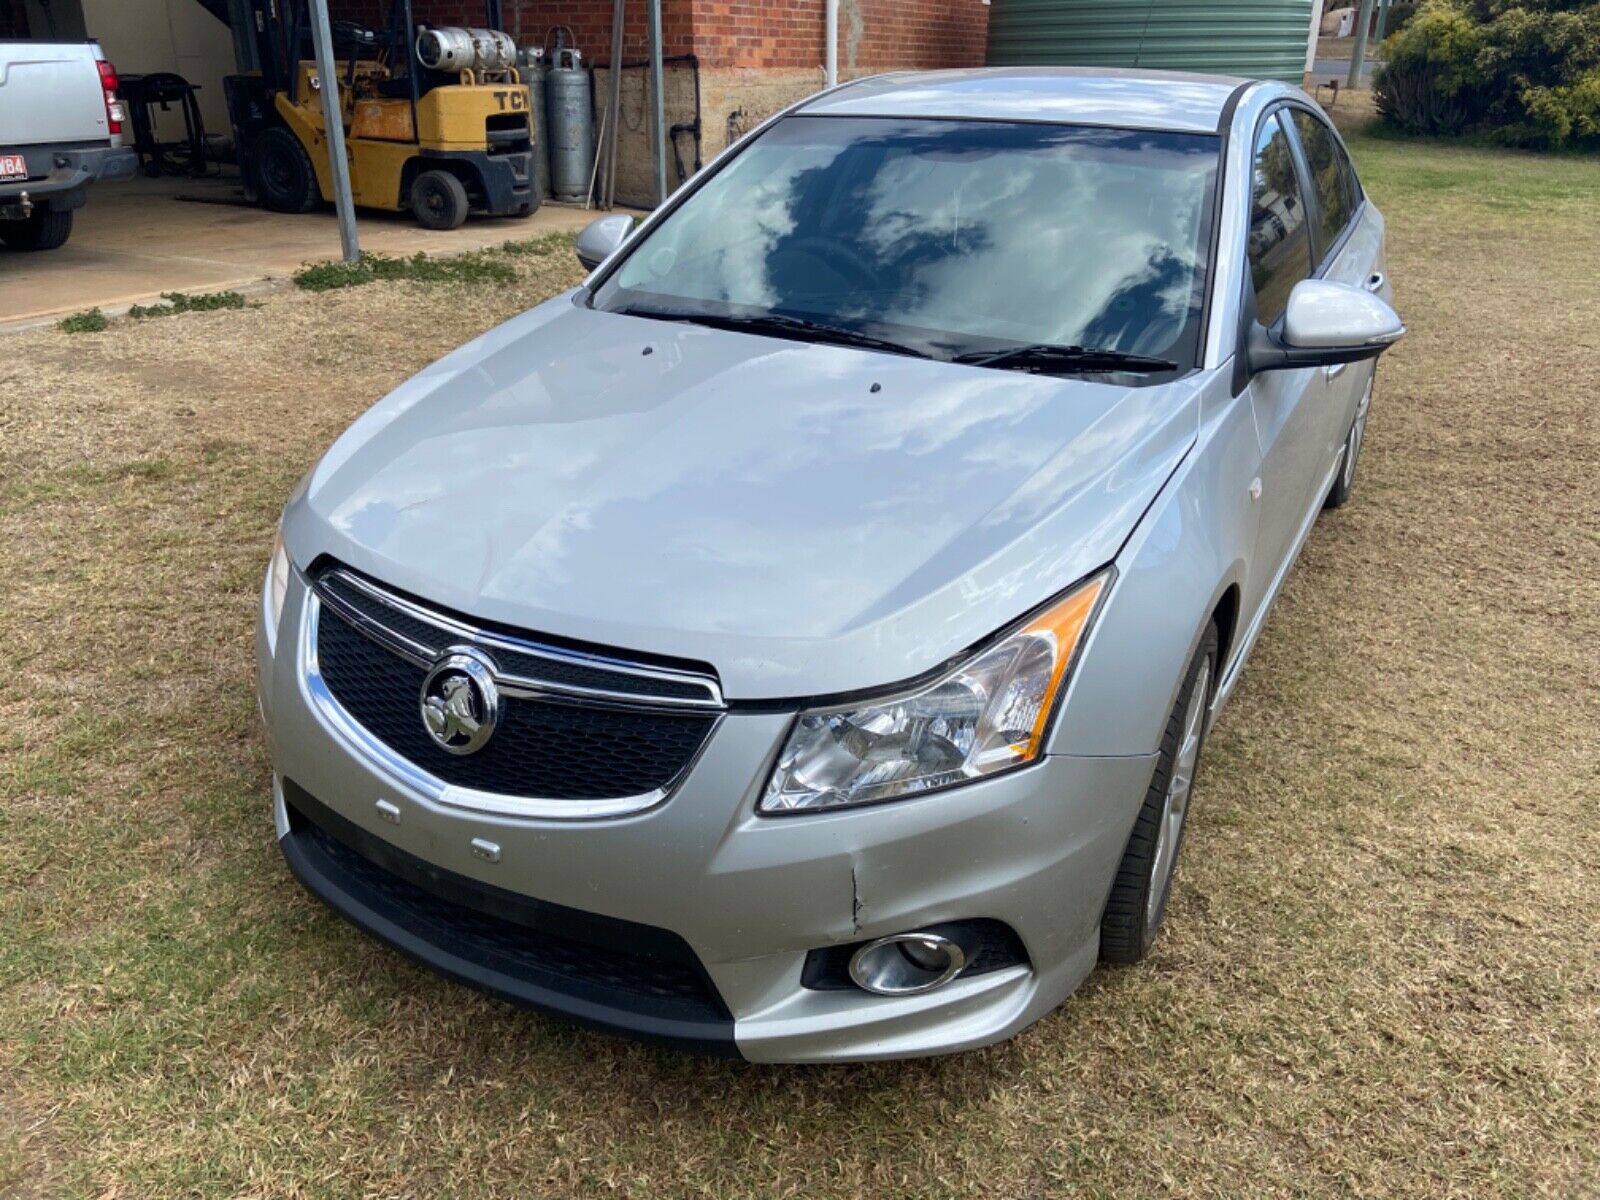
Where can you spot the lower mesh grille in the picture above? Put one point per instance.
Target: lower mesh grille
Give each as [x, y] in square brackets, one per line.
[545, 748]
[600, 962]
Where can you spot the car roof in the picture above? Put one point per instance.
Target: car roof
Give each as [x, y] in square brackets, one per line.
[1123, 98]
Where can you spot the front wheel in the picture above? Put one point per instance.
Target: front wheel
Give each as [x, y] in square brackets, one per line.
[1138, 898]
[438, 200]
[1345, 482]
[45, 229]
[285, 179]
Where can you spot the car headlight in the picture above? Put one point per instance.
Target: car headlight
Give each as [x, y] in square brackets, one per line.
[989, 714]
[277, 584]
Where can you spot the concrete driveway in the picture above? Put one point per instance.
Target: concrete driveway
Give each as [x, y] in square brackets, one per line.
[135, 240]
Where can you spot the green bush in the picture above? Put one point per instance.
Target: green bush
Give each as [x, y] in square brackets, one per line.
[182, 302]
[1400, 14]
[90, 321]
[375, 268]
[1430, 82]
[1526, 72]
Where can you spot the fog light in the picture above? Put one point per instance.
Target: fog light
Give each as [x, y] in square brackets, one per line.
[906, 964]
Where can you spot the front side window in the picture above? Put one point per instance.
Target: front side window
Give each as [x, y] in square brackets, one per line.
[951, 237]
[1280, 241]
[1329, 176]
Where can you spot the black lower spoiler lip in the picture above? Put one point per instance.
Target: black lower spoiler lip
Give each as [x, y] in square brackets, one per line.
[377, 914]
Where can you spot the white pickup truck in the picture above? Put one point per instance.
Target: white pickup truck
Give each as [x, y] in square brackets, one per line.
[60, 130]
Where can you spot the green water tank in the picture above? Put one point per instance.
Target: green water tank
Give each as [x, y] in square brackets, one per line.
[1259, 39]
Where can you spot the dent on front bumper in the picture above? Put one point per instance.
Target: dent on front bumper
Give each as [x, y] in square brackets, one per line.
[749, 895]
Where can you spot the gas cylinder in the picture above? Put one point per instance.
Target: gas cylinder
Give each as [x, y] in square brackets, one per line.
[571, 122]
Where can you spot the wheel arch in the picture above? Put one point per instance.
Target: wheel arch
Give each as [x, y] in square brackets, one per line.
[1185, 565]
[1226, 618]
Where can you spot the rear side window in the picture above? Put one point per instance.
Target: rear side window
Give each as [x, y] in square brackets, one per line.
[1280, 242]
[1331, 176]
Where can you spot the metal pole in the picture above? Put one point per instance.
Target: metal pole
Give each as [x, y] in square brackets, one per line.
[614, 105]
[830, 55]
[1383, 20]
[659, 101]
[589, 198]
[333, 121]
[1359, 52]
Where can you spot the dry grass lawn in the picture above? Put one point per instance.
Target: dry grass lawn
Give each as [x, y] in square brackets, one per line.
[1381, 975]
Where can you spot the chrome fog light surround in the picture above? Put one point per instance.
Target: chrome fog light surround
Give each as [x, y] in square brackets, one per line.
[906, 964]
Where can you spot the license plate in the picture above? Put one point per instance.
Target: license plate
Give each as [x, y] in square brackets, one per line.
[13, 166]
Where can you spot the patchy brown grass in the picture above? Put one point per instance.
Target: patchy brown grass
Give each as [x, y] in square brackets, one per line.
[1380, 975]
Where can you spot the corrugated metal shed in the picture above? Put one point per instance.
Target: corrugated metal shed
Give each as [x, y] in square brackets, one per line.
[1259, 39]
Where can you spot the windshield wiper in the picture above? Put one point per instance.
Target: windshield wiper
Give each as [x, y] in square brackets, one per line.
[815, 331]
[1044, 357]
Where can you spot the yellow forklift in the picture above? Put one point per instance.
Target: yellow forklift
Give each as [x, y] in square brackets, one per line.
[436, 119]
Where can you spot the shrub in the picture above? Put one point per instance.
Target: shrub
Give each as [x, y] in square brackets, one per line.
[1527, 75]
[1400, 14]
[1430, 82]
[90, 321]
[182, 302]
[374, 268]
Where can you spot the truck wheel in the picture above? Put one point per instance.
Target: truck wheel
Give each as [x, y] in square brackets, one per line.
[44, 230]
[285, 178]
[438, 200]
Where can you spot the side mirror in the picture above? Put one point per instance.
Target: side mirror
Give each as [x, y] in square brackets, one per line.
[600, 238]
[1325, 324]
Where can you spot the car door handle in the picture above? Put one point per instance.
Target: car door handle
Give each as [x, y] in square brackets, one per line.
[1335, 370]
[1375, 282]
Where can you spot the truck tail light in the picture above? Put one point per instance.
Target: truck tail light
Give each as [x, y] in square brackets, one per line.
[115, 112]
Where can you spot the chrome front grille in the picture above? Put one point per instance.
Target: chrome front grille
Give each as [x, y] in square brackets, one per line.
[580, 734]
[420, 633]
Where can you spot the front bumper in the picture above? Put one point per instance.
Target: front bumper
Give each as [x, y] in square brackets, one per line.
[1035, 849]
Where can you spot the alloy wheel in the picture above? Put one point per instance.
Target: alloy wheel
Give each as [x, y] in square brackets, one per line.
[1175, 807]
[1358, 431]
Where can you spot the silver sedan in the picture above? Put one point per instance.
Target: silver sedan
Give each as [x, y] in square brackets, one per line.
[800, 640]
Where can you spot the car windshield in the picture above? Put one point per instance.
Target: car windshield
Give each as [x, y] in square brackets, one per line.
[948, 237]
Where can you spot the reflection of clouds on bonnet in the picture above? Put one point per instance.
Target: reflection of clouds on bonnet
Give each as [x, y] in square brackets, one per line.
[952, 230]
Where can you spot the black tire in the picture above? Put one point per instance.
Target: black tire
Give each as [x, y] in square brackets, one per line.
[1132, 918]
[285, 178]
[1344, 484]
[438, 200]
[46, 229]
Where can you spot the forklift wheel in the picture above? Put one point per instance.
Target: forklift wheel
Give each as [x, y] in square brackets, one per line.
[285, 178]
[438, 200]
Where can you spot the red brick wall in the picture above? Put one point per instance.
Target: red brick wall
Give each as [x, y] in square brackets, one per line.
[772, 33]
[736, 33]
[790, 33]
[921, 33]
[530, 20]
